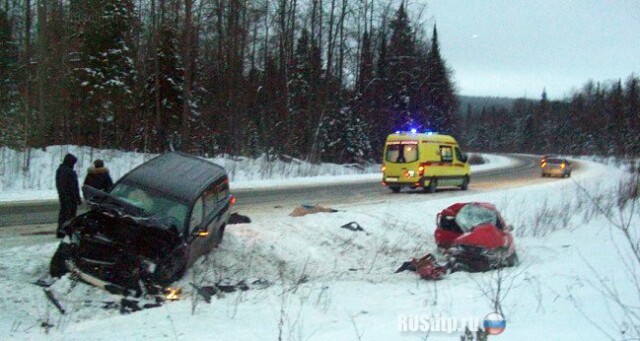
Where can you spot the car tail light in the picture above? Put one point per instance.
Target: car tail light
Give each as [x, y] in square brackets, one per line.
[233, 200]
[383, 183]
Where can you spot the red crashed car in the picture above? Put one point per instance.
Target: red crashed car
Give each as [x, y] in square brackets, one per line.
[475, 237]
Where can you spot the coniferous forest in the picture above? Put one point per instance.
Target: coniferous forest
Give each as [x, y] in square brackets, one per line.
[320, 80]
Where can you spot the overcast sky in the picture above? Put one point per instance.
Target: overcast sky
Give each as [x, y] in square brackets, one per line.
[517, 48]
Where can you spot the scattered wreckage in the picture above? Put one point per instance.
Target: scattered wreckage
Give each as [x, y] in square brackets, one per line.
[471, 237]
[152, 225]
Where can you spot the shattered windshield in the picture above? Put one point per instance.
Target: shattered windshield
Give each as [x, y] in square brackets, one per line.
[151, 203]
[471, 216]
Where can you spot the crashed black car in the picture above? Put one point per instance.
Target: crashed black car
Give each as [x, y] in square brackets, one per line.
[149, 228]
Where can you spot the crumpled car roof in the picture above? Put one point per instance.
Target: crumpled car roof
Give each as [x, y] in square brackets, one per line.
[179, 175]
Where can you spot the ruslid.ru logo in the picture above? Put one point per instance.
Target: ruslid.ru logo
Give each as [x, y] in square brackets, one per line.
[436, 323]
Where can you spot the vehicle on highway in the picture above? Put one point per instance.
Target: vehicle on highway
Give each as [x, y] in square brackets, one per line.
[149, 228]
[475, 237]
[426, 160]
[553, 166]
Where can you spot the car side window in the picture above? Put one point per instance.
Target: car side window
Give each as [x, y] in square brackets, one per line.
[210, 202]
[196, 215]
[446, 153]
[215, 196]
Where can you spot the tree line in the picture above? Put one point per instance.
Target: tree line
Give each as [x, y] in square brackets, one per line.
[322, 80]
[599, 119]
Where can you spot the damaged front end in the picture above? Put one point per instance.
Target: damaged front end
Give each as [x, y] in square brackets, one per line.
[122, 254]
[477, 259]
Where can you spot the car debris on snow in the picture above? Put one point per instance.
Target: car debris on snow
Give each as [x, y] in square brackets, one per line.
[353, 226]
[310, 209]
[54, 300]
[237, 218]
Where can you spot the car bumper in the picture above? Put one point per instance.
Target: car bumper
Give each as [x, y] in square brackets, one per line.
[95, 281]
[558, 172]
[405, 181]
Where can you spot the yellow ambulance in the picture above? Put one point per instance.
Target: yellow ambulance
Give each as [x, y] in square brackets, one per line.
[428, 160]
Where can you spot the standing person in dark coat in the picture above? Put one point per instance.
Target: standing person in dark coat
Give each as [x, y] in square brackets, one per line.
[68, 192]
[98, 177]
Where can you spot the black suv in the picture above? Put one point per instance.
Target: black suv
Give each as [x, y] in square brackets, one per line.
[149, 228]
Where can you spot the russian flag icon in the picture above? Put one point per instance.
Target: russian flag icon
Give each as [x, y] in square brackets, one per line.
[494, 324]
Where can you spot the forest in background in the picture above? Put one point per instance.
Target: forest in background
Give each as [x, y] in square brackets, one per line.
[320, 80]
[599, 119]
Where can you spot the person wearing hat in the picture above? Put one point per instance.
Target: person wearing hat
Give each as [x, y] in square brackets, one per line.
[98, 177]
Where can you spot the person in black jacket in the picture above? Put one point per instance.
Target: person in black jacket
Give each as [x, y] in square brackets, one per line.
[68, 192]
[98, 177]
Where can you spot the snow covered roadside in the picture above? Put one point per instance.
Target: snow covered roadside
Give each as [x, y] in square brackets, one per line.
[39, 182]
[330, 283]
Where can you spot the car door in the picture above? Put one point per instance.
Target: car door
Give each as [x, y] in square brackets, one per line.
[206, 219]
[196, 239]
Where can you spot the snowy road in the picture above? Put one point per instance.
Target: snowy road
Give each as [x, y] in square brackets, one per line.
[29, 223]
[522, 172]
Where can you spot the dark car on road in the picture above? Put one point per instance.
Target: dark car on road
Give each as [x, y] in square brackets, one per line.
[149, 228]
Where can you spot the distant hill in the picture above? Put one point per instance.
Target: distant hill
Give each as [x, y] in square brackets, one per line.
[477, 103]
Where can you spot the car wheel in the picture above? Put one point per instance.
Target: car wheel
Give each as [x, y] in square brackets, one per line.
[433, 184]
[465, 183]
[58, 268]
[395, 189]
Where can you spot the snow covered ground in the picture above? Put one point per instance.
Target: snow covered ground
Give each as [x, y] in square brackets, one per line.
[330, 283]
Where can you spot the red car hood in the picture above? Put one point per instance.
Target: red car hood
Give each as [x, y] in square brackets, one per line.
[487, 236]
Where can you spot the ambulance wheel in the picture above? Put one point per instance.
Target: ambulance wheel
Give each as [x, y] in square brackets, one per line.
[395, 189]
[433, 183]
[465, 183]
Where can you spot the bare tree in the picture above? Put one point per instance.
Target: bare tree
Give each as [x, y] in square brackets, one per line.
[188, 74]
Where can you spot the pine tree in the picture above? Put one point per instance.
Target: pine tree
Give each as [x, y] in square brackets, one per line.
[402, 62]
[108, 73]
[167, 118]
[441, 103]
[345, 137]
[632, 109]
